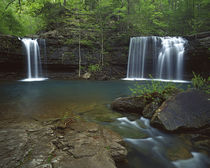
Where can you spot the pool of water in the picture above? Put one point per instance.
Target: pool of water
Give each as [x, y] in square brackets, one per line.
[52, 98]
[147, 146]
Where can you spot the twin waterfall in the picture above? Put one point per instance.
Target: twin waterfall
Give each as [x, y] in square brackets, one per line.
[162, 57]
[34, 66]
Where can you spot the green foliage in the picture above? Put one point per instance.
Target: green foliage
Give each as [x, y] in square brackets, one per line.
[107, 18]
[94, 68]
[200, 83]
[152, 89]
[50, 157]
[107, 147]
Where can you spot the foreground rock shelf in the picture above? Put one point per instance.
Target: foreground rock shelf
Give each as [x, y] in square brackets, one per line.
[51, 144]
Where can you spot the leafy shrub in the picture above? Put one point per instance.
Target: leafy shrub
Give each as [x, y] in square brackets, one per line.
[198, 82]
[94, 68]
[154, 89]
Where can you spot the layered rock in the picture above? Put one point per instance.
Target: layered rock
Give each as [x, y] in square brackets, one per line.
[12, 60]
[197, 54]
[62, 56]
[79, 145]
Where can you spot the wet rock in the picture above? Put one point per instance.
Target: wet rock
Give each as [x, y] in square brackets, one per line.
[178, 153]
[129, 104]
[188, 110]
[150, 109]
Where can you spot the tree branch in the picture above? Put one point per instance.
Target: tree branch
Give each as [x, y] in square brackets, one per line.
[9, 4]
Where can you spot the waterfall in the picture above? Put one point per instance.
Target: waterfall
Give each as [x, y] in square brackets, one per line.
[34, 66]
[162, 57]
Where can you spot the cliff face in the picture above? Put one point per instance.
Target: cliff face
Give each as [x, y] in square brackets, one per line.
[11, 58]
[62, 58]
[198, 54]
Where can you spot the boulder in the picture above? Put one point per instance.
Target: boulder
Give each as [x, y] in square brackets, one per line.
[188, 110]
[129, 104]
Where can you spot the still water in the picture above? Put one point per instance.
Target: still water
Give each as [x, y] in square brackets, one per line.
[147, 146]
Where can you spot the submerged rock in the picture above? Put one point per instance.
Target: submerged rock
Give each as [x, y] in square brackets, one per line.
[188, 110]
[129, 104]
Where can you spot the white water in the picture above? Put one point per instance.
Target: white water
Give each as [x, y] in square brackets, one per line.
[160, 56]
[34, 67]
[161, 80]
[152, 146]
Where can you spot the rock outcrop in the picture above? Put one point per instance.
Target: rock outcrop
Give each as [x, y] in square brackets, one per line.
[197, 54]
[62, 57]
[188, 110]
[12, 60]
[78, 145]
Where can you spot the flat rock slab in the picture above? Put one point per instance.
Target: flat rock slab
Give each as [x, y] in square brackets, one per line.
[38, 144]
[188, 110]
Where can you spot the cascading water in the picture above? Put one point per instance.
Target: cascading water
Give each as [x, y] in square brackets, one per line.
[34, 66]
[162, 57]
[151, 148]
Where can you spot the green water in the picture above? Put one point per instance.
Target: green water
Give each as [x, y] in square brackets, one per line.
[47, 99]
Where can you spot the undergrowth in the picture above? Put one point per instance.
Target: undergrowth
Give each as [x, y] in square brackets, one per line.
[155, 89]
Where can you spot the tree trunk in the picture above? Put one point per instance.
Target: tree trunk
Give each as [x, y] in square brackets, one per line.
[79, 55]
[102, 48]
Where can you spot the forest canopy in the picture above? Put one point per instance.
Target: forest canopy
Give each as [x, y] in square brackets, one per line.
[133, 17]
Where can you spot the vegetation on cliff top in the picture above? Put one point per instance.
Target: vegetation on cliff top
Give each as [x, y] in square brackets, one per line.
[109, 18]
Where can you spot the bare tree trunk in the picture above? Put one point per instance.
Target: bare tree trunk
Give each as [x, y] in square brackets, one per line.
[64, 2]
[128, 10]
[102, 48]
[79, 55]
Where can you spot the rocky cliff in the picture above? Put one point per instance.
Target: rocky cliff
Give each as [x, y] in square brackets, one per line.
[197, 54]
[62, 57]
